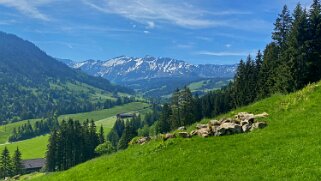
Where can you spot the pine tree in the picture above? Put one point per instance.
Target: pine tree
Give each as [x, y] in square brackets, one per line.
[128, 134]
[176, 110]
[297, 48]
[268, 71]
[282, 27]
[5, 164]
[315, 42]
[51, 156]
[163, 125]
[101, 135]
[17, 162]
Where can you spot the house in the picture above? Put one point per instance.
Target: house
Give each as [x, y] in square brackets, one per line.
[33, 165]
[125, 115]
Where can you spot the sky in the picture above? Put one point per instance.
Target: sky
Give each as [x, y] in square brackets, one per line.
[196, 31]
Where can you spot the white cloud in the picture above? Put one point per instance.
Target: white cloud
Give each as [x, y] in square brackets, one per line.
[28, 8]
[150, 25]
[228, 45]
[224, 53]
[147, 12]
[146, 32]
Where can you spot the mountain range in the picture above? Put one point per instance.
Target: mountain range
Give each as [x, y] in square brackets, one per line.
[153, 76]
[125, 69]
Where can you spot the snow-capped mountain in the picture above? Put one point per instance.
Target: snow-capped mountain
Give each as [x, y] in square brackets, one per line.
[125, 69]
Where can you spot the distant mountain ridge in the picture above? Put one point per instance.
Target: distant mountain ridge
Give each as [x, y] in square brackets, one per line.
[33, 84]
[126, 69]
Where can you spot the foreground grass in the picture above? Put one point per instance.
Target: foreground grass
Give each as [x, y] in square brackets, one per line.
[288, 149]
[36, 147]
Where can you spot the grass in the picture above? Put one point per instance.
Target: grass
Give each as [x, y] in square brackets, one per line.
[106, 113]
[31, 148]
[36, 147]
[288, 149]
[5, 131]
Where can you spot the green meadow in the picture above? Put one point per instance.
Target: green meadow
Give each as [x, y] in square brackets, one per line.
[288, 149]
[36, 147]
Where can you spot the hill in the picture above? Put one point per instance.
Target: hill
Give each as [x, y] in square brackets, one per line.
[36, 147]
[288, 148]
[33, 84]
[151, 76]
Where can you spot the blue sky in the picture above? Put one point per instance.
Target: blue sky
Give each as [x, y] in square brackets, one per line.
[197, 31]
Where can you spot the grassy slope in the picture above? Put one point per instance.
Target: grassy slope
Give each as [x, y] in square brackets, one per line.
[288, 148]
[35, 147]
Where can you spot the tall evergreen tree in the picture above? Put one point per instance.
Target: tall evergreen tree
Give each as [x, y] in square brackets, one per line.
[315, 42]
[17, 162]
[5, 163]
[282, 27]
[297, 48]
[101, 135]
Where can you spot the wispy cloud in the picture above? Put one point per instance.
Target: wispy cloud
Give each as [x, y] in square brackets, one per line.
[28, 8]
[147, 12]
[224, 53]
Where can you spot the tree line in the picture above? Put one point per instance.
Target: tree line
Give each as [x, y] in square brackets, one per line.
[27, 131]
[72, 143]
[10, 166]
[290, 62]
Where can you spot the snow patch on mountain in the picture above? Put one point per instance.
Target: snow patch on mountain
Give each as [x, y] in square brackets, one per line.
[122, 69]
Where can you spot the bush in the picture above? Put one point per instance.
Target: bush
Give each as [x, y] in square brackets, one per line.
[105, 148]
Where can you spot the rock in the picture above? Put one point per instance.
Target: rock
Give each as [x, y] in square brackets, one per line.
[193, 133]
[250, 122]
[258, 125]
[262, 115]
[228, 120]
[181, 128]
[168, 136]
[200, 126]
[214, 122]
[184, 135]
[244, 116]
[143, 140]
[228, 128]
[204, 132]
[246, 128]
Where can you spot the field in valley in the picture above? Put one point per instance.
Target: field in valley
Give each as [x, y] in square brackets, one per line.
[36, 147]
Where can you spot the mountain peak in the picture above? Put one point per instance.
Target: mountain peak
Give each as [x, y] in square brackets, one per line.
[123, 68]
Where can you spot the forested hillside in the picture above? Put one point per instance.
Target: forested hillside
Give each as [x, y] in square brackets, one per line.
[32, 84]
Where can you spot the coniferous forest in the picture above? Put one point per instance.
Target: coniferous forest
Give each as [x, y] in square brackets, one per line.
[290, 62]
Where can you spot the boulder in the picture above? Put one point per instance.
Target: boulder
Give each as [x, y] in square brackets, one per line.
[228, 128]
[168, 136]
[200, 126]
[193, 133]
[246, 128]
[258, 125]
[184, 135]
[214, 123]
[262, 115]
[204, 132]
[143, 140]
[244, 116]
[182, 128]
[246, 121]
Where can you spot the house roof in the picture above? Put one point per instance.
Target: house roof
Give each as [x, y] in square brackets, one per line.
[34, 163]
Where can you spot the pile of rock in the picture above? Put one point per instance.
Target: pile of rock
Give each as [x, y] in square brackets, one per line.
[241, 123]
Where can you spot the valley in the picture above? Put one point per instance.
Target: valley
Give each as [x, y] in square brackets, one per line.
[36, 147]
[232, 91]
[153, 77]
